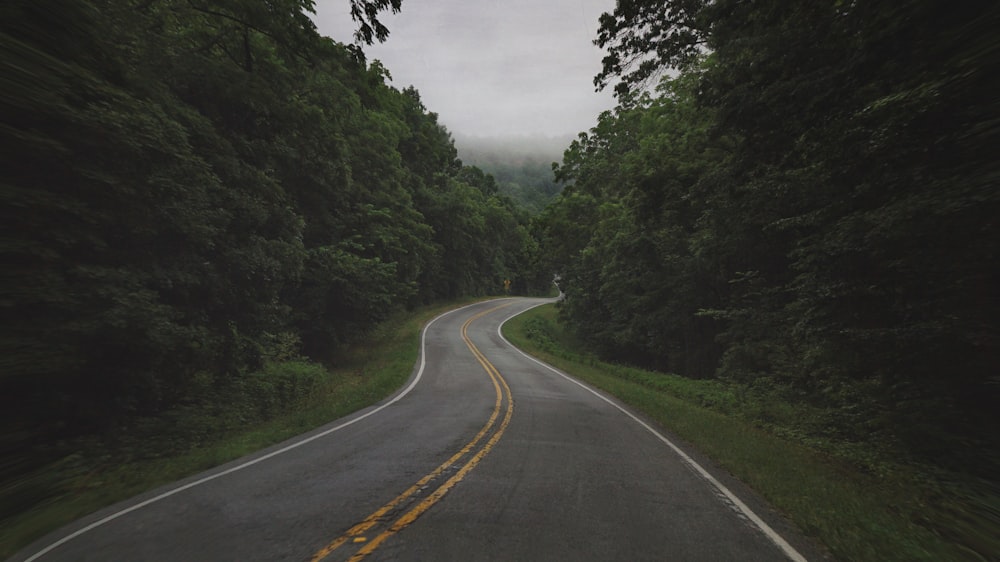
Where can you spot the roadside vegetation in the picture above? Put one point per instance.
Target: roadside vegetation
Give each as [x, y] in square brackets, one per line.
[794, 209]
[202, 202]
[287, 397]
[860, 501]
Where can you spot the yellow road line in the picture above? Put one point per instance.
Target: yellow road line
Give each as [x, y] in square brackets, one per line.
[353, 533]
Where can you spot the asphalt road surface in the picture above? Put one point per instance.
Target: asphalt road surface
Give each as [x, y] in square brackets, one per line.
[484, 455]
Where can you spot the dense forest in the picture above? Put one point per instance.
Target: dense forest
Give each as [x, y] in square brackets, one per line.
[192, 190]
[805, 206]
[521, 166]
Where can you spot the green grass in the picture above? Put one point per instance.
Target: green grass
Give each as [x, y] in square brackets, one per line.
[895, 513]
[97, 476]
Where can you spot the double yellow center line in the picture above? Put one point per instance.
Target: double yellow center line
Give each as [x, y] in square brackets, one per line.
[380, 523]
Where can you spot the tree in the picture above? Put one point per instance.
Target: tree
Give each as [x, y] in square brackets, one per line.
[840, 239]
[190, 182]
[365, 13]
[645, 36]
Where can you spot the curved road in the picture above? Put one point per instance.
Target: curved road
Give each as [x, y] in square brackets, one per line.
[486, 454]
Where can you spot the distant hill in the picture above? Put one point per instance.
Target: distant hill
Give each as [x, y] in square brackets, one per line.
[522, 166]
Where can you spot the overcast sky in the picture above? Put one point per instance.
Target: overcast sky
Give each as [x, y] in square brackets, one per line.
[492, 67]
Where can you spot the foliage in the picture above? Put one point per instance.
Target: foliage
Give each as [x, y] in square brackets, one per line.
[521, 166]
[365, 12]
[809, 208]
[860, 502]
[196, 192]
[213, 426]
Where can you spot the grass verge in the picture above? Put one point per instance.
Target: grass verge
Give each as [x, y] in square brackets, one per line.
[896, 514]
[85, 482]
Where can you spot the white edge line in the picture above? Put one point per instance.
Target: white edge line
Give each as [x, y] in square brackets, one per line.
[398, 397]
[777, 539]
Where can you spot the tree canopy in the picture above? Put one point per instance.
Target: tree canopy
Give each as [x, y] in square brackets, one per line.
[191, 188]
[808, 205]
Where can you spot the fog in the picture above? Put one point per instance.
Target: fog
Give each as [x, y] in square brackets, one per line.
[511, 150]
[492, 69]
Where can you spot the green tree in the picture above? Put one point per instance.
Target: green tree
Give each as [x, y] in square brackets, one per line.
[190, 182]
[642, 169]
[850, 215]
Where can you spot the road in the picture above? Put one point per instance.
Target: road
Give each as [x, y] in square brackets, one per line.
[485, 455]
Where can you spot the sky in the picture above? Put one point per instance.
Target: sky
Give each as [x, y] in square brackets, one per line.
[491, 68]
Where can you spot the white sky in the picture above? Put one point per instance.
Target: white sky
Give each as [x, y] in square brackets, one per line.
[492, 67]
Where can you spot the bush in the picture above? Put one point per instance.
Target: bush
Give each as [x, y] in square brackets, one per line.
[279, 387]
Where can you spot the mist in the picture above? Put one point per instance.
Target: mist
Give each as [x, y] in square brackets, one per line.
[492, 69]
[512, 150]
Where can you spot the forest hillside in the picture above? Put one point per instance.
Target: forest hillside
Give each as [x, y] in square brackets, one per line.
[522, 166]
[193, 191]
[806, 210]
